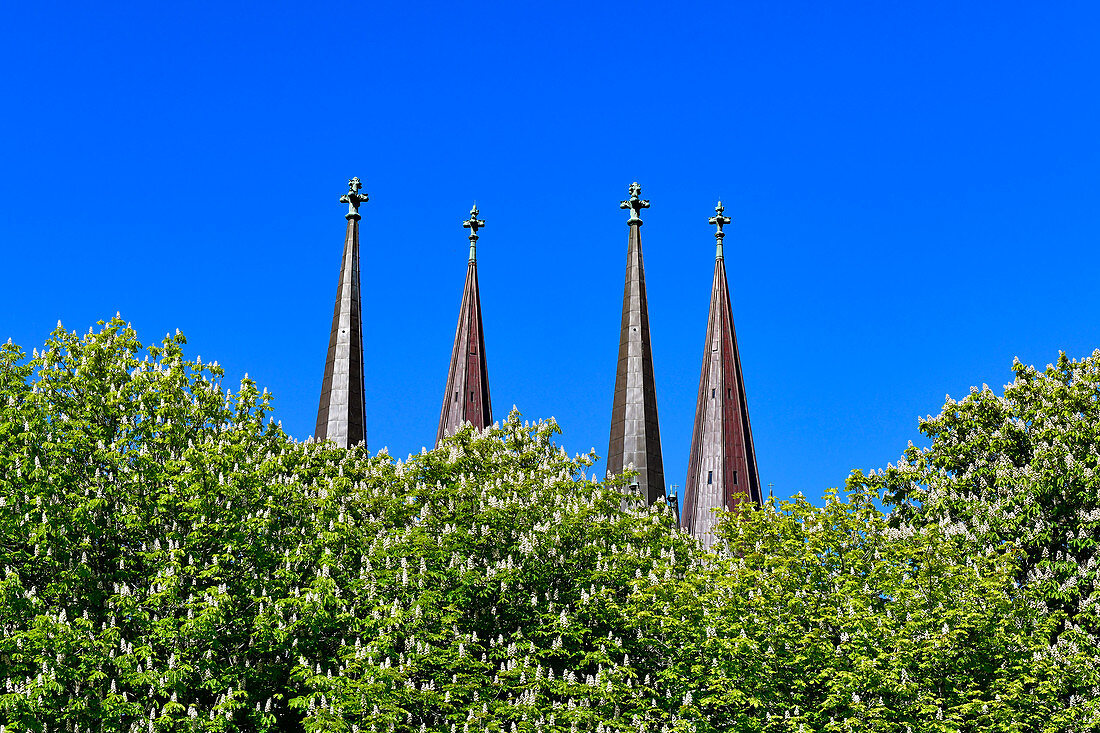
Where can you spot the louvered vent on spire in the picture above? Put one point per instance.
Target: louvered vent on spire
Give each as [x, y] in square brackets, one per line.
[341, 415]
[466, 396]
[722, 467]
[635, 433]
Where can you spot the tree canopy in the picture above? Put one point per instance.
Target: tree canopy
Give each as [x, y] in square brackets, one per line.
[174, 561]
[1018, 472]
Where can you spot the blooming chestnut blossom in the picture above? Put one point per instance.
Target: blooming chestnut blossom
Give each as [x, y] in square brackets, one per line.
[172, 560]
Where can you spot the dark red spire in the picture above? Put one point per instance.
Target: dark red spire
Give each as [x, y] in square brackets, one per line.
[466, 397]
[635, 433]
[722, 467]
[342, 414]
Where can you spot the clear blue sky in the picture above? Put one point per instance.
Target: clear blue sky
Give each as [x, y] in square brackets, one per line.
[915, 193]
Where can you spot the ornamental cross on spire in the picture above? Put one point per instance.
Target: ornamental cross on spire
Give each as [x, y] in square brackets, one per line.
[353, 198]
[635, 204]
[473, 224]
[718, 220]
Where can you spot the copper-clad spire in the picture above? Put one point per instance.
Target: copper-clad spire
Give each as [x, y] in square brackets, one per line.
[722, 467]
[341, 415]
[635, 434]
[466, 397]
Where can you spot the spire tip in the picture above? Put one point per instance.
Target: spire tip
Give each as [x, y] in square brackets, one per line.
[353, 198]
[718, 220]
[635, 204]
[473, 224]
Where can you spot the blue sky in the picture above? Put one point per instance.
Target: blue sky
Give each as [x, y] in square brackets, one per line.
[914, 191]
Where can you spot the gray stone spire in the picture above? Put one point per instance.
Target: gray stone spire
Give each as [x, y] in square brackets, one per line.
[722, 466]
[341, 414]
[466, 395]
[635, 434]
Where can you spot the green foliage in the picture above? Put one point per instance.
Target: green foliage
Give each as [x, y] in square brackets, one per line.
[1019, 471]
[145, 527]
[827, 618]
[173, 561]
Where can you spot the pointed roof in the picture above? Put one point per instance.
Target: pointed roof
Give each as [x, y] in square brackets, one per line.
[341, 414]
[466, 396]
[722, 468]
[635, 434]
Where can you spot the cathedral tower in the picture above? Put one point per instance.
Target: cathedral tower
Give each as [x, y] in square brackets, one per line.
[466, 396]
[635, 434]
[722, 467]
[342, 413]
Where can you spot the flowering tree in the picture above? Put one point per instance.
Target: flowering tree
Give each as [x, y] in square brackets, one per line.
[173, 561]
[829, 619]
[147, 530]
[1018, 471]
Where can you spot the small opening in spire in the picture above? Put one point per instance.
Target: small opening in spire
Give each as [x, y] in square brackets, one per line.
[456, 395]
[710, 477]
[729, 393]
[735, 478]
[712, 393]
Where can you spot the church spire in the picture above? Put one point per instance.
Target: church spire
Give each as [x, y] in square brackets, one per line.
[635, 435]
[341, 415]
[466, 396]
[722, 467]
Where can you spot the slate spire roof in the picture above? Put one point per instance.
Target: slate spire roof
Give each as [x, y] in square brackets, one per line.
[341, 414]
[635, 434]
[466, 396]
[722, 468]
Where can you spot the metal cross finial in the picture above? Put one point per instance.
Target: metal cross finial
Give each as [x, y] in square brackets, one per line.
[473, 224]
[353, 198]
[635, 204]
[718, 220]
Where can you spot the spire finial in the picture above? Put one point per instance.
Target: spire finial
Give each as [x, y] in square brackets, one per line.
[473, 224]
[635, 204]
[718, 220]
[353, 198]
